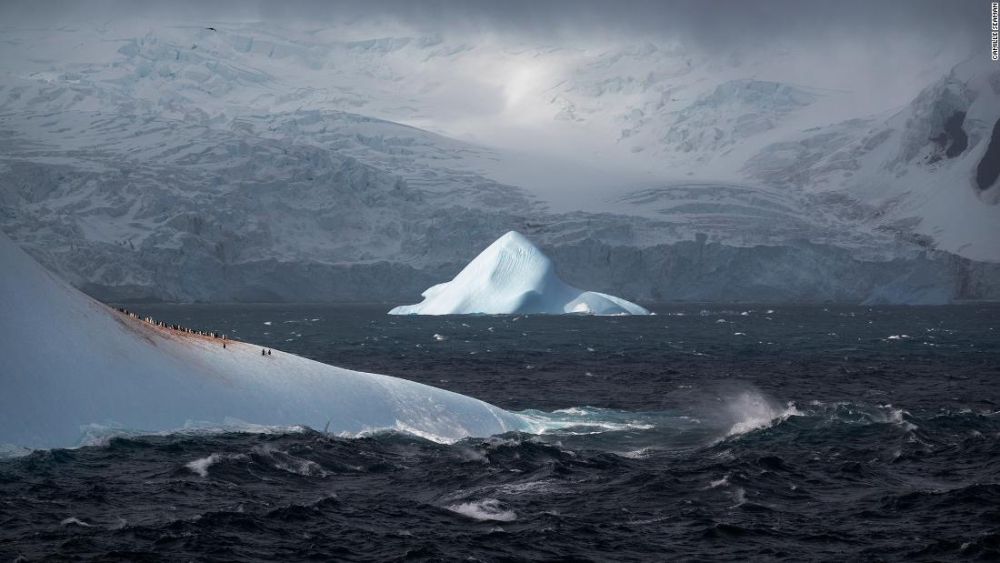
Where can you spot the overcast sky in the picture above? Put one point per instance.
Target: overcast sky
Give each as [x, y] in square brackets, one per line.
[704, 22]
[883, 52]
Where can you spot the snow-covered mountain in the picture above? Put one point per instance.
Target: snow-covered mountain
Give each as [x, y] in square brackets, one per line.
[256, 162]
[913, 172]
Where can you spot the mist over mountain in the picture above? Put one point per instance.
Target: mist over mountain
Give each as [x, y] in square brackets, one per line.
[325, 152]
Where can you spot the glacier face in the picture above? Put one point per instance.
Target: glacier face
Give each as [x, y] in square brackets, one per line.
[71, 365]
[917, 287]
[174, 162]
[512, 277]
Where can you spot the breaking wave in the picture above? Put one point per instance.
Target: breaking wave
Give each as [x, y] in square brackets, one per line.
[486, 509]
[627, 433]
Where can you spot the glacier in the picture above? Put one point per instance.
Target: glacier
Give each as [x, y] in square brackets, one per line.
[511, 277]
[921, 286]
[70, 365]
[146, 161]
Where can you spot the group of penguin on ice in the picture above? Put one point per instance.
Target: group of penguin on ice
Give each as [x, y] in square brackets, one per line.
[152, 321]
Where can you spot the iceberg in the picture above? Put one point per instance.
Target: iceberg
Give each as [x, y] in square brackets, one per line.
[69, 364]
[512, 277]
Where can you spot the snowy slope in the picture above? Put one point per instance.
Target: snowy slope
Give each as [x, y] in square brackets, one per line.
[70, 362]
[512, 276]
[165, 160]
[911, 172]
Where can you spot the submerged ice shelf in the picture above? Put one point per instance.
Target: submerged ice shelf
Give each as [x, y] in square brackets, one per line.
[512, 276]
[71, 364]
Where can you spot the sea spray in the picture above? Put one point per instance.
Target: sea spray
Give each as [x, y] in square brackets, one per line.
[751, 411]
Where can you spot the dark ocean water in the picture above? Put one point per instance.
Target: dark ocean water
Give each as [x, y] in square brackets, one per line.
[704, 433]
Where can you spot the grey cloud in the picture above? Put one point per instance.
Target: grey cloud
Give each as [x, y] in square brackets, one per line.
[698, 21]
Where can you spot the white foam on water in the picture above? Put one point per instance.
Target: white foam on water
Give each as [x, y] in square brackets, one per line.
[724, 482]
[637, 454]
[200, 466]
[895, 416]
[399, 428]
[289, 463]
[573, 411]
[531, 487]
[740, 496]
[582, 421]
[483, 510]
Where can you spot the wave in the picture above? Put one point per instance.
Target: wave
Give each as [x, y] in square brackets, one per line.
[101, 434]
[729, 416]
[753, 411]
[277, 458]
[638, 435]
[586, 420]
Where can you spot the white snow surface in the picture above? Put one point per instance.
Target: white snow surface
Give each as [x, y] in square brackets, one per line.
[71, 364]
[512, 277]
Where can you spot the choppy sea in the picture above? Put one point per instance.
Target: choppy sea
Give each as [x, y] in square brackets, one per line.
[704, 433]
